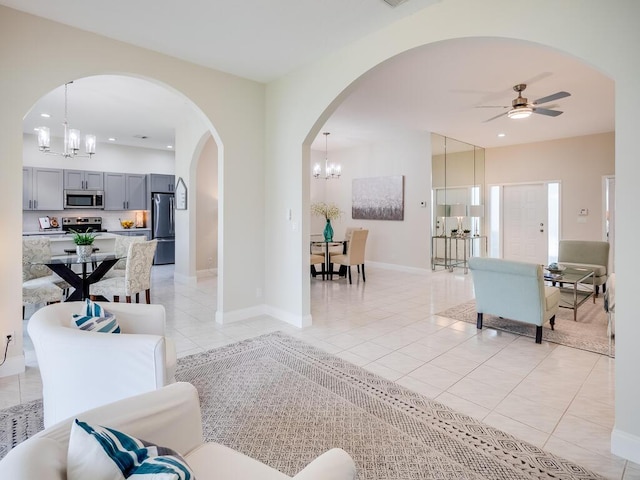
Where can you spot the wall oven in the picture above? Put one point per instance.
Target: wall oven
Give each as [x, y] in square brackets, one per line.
[84, 199]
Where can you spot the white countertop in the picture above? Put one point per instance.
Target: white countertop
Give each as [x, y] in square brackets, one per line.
[117, 230]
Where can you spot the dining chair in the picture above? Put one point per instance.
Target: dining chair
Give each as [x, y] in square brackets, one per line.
[40, 295]
[137, 275]
[121, 248]
[317, 259]
[355, 253]
[35, 274]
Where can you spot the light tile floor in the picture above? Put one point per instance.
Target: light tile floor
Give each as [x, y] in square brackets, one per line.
[558, 398]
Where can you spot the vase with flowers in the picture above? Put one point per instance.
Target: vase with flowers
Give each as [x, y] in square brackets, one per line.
[329, 212]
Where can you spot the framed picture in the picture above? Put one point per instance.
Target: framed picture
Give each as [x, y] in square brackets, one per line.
[181, 195]
[378, 198]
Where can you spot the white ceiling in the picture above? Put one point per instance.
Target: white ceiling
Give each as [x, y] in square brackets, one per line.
[433, 88]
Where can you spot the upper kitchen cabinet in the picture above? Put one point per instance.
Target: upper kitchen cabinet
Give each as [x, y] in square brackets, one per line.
[42, 188]
[161, 183]
[125, 191]
[83, 180]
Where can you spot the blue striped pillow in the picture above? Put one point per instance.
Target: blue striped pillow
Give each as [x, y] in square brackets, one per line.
[100, 452]
[94, 318]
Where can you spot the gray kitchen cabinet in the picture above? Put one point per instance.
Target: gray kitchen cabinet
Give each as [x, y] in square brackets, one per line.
[83, 180]
[125, 191]
[162, 183]
[42, 188]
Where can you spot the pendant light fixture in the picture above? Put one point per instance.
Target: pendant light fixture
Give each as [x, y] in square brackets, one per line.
[331, 170]
[71, 145]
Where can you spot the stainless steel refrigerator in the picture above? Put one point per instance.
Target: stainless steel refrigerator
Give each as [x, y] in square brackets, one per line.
[163, 227]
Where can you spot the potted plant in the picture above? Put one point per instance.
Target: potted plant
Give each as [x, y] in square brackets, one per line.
[329, 212]
[84, 242]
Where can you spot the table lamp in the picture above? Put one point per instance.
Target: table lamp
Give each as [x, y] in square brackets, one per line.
[458, 210]
[476, 211]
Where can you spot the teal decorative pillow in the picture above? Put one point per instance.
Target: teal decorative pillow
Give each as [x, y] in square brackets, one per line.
[101, 453]
[94, 318]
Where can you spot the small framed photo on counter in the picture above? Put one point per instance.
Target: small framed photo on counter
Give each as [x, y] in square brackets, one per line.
[181, 195]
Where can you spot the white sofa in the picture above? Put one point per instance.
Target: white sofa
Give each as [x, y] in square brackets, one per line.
[81, 370]
[169, 417]
[513, 290]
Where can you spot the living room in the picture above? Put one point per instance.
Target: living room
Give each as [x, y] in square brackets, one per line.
[283, 155]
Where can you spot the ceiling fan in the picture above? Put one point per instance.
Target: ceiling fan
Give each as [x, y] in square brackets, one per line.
[521, 108]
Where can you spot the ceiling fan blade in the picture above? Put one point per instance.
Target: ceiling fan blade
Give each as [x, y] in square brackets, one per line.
[551, 98]
[493, 118]
[546, 111]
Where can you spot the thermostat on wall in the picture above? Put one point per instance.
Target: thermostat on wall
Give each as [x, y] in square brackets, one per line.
[583, 212]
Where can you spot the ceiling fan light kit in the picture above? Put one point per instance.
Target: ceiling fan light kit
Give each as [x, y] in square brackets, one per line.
[521, 108]
[520, 112]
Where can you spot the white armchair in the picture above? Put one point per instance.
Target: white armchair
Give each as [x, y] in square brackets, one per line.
[82, 370]
[169, 417]
[513, 290]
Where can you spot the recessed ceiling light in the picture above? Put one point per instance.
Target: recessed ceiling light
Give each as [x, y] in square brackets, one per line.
[502, 135]
[112, 139]
[45, 115]
[169, 146]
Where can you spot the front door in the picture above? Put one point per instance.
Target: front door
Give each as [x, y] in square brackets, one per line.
[525, 236]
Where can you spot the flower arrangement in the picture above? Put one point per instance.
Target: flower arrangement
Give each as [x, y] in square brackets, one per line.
[328, 211]
[83, 238]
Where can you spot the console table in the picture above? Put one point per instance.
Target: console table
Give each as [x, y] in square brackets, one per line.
[454, 251]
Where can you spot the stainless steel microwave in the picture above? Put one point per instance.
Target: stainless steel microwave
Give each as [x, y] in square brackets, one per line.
[84, 199]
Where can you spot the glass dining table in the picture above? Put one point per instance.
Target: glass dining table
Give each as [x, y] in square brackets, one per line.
[326, 245]
[80, 272]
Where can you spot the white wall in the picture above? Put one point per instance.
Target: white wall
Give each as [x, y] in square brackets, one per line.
[207, 208]
[108, 158]
[299, 104]
[401, 243]
[578, 163]
[37, 55]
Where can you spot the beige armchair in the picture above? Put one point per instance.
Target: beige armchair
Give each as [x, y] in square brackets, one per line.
[354, 255]
[593, 255]
[513, 290]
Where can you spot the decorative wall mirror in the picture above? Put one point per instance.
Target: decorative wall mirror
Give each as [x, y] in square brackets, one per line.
[458, 204]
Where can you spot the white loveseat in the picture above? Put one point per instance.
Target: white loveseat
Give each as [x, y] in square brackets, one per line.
[81, 370]
[513, 290]
[169, 417]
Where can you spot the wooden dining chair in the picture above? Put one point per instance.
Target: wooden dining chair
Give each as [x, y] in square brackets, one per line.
[354, 255]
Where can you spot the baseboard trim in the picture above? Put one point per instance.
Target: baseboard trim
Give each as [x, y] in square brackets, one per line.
[240, 314]
[13, 366]
[299, 321]
[625, 445]
[399, 268]
[245, 313]
[209, 272]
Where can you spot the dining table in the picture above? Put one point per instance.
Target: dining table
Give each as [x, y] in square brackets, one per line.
[80, 271]
[326, 245]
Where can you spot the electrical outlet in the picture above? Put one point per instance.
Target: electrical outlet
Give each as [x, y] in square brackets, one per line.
[9, 336]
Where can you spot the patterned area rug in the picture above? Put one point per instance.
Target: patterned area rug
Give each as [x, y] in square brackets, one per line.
[284, 402]
[588, 332]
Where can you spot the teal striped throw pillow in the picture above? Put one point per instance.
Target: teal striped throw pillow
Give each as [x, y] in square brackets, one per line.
[97, 452]
[94, 318]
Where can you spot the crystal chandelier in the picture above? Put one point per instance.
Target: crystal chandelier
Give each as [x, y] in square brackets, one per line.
[71, 145]
[331, 170]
